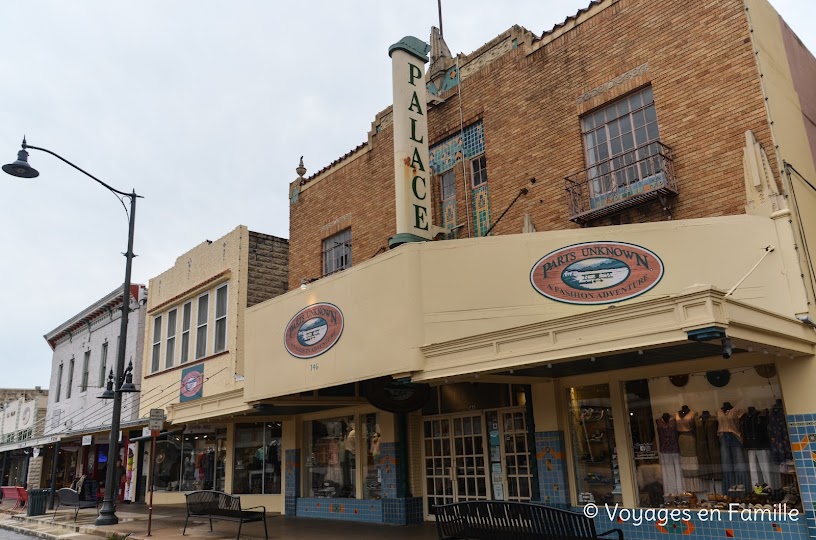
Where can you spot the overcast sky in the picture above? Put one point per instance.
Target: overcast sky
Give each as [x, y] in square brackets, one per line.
[203, 107]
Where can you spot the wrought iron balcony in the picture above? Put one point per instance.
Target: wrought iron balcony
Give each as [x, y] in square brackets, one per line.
[629, 179]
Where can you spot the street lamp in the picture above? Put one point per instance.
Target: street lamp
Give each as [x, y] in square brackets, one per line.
[22, 169]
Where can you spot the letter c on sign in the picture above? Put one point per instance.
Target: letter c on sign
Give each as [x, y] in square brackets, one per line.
[414, 188]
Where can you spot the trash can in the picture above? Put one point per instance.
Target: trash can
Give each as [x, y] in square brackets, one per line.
[37, 501]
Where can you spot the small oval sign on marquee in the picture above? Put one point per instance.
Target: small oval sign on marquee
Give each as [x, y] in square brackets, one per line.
[313, 330]
[596, 273]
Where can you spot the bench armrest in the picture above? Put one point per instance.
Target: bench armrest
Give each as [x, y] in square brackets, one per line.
[254, 507]
[610, 531]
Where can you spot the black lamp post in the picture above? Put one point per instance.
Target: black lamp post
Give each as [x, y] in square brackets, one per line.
[22, 169]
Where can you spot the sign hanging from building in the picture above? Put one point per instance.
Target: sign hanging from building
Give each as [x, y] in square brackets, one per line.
[313, 330]
[192, 383]
[596, 273]
[87, 440]
[412, 171]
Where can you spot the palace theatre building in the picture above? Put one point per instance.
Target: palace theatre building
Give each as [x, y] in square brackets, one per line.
[588, 279]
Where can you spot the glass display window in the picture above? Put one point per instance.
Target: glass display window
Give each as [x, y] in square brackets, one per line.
[342, 454]
[190, 461]
[167, 463]
[257, 464]
[330, 463]
[595, 457]
[704, 440]
[372, 483]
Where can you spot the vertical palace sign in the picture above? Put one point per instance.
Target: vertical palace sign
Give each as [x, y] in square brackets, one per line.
[411, 171]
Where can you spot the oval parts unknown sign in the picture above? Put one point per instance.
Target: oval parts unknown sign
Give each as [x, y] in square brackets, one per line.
[596, 273]
[313, 330]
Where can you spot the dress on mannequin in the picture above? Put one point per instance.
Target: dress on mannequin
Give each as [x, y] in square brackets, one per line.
[688, 449]
[669, 454]
[708, 446]
[778, 433]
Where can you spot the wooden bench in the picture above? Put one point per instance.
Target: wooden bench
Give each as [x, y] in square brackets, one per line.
[14, 493]
[70, 497]
[489, 520]
[216, 505]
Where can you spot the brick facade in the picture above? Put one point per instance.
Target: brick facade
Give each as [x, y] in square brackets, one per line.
[697, 57]
[268, 264]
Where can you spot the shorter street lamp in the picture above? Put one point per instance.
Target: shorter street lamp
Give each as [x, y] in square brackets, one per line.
[21, 169]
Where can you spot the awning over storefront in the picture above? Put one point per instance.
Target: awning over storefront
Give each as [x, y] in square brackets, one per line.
[29, 443]
[645, 333]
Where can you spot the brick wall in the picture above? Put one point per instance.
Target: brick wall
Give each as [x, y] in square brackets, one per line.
[707, 94]
[268, 264]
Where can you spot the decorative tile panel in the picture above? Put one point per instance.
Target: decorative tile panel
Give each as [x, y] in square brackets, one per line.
[552, 467]
[481, 210]
[387, 463]
[445, 155]
[345, 509]
[802, 432]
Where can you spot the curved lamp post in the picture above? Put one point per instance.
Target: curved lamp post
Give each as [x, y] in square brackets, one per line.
[22, 169]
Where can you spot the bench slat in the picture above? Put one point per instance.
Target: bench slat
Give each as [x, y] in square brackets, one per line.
[499, 520]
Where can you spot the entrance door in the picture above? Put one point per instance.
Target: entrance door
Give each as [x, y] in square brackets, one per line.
[455, 459]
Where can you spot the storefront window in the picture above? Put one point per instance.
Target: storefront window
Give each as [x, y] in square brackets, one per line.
[330, 462]
[703, 440]
[372, 488]
[167, 464]
[257, 458]
[190, 461]
[593, 442]
[198, 461]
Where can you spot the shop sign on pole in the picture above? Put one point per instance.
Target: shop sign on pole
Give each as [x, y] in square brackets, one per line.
[156, 422]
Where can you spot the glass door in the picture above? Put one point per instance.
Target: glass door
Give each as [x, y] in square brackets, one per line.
[455, 457]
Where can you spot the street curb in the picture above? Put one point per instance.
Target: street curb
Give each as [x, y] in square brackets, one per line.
[27, 532]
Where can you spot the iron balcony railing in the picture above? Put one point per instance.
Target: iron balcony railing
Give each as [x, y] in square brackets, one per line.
[629, 179]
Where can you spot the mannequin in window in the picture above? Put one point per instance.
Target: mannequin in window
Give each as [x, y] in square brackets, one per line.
[669, 454]
[687, 444]
[348, 463]
[755, 440]
[778, 433]
[708, 447]
[734, 467]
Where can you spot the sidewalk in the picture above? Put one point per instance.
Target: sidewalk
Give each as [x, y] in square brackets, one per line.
[168, 522]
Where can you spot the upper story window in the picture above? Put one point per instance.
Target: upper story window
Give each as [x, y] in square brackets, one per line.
[59, 384]
[626, 163]
[201, 326]
[448, 186]
[186, 333]
[617, 139]
[186, 317]
[85, 361]
[70, 379]
[156, 353]
[478, 170]
[337, 252]
[170, 351]
[103, 365]
[220, 319]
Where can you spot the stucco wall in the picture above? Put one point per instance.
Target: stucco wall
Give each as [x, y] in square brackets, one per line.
[410, 297]
[202, 269]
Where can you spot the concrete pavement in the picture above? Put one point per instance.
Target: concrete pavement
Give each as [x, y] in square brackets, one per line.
[168, 523]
